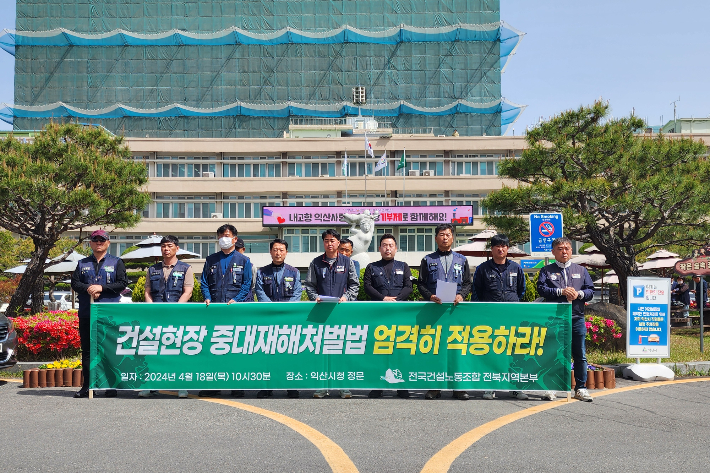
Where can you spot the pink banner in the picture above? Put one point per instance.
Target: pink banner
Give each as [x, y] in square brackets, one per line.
[332, 216]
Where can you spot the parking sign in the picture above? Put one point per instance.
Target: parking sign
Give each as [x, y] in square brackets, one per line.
[544, 229]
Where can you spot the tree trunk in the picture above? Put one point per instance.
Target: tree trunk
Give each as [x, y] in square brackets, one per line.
[30, 284]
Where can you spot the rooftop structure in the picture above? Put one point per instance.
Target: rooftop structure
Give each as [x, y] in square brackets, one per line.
[226, 68]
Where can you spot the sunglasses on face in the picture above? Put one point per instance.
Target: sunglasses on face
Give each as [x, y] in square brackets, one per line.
[98, 239]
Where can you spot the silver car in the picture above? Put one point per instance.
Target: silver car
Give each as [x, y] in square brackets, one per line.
[8, 343]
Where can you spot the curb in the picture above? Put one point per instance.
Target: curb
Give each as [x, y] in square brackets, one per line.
[682, 368]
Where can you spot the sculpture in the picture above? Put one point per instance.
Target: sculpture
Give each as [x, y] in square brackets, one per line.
[362, 228]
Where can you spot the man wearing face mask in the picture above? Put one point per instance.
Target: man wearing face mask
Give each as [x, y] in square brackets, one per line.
[226, 277]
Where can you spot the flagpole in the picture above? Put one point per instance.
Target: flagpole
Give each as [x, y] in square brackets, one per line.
[404, 174]
[366, 151]
[385, 170]
[347, 171]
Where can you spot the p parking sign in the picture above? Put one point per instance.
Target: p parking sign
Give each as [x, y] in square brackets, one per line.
[544, 229]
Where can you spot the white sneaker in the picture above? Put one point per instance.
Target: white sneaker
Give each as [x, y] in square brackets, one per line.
[345, 394]
[320, 394]
[549, 395]
[146, 393]
[182, 394]
[583, 395]
[519, 395]
[489, 395]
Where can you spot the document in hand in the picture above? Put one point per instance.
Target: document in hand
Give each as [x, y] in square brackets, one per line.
[328, 298]
[446, 291]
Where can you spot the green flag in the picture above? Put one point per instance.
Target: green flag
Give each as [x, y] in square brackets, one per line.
[403, 161]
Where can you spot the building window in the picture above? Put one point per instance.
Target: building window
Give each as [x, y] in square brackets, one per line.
[180, 166]
[248, 206]
[185, 207]
[304, 240]
[416, 239]
[325, 200]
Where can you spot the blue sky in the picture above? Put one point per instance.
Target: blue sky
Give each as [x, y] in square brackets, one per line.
[638, 54]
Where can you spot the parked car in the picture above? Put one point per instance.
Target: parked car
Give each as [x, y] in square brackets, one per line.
[63, 297]
[8, 343]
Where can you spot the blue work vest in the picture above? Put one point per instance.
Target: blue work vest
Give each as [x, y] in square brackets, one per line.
[170, 291]
[498, 286]
[332, 281]
[278, 291]
[224, 287]
[106, 275]
[387, 287]
[435, 270]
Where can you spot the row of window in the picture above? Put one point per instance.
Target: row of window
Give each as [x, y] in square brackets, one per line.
[463, 165]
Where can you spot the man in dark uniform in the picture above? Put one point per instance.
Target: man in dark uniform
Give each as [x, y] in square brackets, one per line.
[278, 282]
[102, 277]
[332, 274]
[226, 277]
[499, 280]
[346, 249]
[171, 280]
[448, 266]
[563, 281]
[388, 280]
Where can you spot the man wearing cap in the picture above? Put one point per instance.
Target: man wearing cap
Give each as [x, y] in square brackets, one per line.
[564, 281]
[100, 277]
[387, 280]
[242, 249]
[171, 280]
[278, 282]
[449, 266]
[226, 277]
[499, 280]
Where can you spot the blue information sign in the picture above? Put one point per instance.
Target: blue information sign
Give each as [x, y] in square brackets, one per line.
[544, 228]
[648, 332]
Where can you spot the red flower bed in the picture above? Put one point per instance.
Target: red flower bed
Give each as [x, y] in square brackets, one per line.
[48, 336]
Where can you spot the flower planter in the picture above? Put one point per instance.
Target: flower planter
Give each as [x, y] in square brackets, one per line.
[590, 379]
[26, 378]
[599, 379]
[42, 378]
[50, 377]
[68, 377]
[76, 378]
[34, 375]
[59, 378]
[573, 381]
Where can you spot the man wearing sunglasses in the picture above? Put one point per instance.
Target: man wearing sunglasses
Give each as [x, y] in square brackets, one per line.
[102, 277]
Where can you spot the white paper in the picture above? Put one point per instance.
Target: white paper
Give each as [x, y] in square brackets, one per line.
[328, 298]
[446, 291]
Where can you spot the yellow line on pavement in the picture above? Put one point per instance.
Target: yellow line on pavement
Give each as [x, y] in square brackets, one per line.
[335, 456]
[11, 380]
[442, 460]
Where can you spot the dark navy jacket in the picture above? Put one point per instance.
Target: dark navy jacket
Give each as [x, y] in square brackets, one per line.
[235, 284]
[378, 285]
[275, 290]
[110, 273]
[492, 285]
[332, 281]
[432, 269]
[551, 282]
[171, 291]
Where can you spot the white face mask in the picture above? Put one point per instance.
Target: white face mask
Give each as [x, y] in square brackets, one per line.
[226, 242]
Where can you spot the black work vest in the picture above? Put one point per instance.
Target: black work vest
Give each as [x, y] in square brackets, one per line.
[282, 290]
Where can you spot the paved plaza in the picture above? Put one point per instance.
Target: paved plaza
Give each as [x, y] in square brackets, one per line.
[635, 427]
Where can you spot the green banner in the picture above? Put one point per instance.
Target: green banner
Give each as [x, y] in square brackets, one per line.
[353, 345]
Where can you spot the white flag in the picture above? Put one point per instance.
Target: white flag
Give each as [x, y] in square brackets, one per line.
[382, 163]
[368, 147]
[345, 164]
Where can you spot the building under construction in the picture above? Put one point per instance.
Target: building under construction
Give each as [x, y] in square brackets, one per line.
[248, 68]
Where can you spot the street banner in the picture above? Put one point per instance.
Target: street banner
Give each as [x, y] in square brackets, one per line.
[649, 323]
[544, 229]
[352, 345]
[390, 215]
